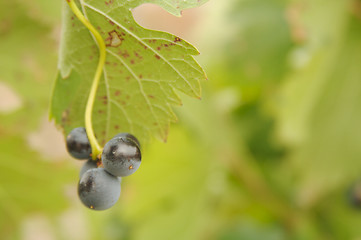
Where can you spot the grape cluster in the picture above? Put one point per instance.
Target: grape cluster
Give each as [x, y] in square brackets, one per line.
[99, 185]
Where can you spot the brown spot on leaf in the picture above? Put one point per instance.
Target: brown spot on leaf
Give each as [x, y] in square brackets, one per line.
[151, 96]
[116, 127]
[117, 93]
[124, 53]
[109, 2]
[141, 44]
[157, 56]
[177, 39]
[137, 55]
[114, 39]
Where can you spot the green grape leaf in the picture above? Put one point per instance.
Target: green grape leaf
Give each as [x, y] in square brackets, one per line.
[143, 70]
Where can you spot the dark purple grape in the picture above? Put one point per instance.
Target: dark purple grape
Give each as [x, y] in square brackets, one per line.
[77, 143]
[128, 136]
[90, 164]
[121, 156]
[98, 190]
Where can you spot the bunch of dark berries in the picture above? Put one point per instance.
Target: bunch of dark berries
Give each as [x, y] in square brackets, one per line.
[99, 185]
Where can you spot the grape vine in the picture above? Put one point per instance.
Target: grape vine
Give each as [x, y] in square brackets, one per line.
[96, 149]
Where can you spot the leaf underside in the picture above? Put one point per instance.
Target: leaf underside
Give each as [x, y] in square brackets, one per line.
[143, 70]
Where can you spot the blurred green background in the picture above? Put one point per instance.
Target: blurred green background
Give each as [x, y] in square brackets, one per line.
[271, 152]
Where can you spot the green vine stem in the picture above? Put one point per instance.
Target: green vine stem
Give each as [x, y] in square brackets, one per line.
[96, 148]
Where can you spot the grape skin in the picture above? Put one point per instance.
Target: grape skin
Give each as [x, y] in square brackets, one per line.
[129, 137]
[90, 164]
[77, 143]
[121, 156]
[98, 190]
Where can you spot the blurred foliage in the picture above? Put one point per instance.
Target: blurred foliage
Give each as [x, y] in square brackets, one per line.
[271, 152]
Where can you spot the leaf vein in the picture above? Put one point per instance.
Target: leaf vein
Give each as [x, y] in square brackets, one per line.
[124, 113]
[145, 44]
[183, 60]
[140, 85]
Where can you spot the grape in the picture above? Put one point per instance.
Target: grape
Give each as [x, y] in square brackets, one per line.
[98, 189]
[121, 156]
[90, 164]
[128, 136]
[77, 143]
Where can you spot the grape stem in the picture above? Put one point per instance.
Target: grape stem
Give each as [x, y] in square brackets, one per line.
[96, 148]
